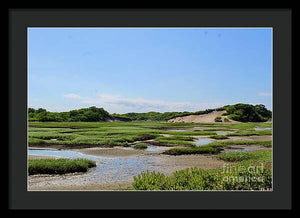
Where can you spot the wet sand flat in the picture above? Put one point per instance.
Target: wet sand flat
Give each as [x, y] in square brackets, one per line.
[250, 138]
[111, 152]
[34, 157]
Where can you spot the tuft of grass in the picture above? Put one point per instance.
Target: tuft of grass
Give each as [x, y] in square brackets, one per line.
[219, 137]
[59, 166]
[141, 146]
[195, 150]
[228, 143]
[218, 119]
[167, 142]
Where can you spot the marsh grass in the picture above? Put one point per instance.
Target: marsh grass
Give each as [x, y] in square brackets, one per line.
[245, 156]
[141, 146]
[219, 137]
[59, 166]
[228, 143]
[195, 150]
[168, 142]
[250, 133]
[110, 134]
[214, 147]
[252, 172]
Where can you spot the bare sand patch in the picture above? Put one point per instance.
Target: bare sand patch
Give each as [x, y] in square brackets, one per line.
[169, 164]
[250, 138]
[202, 118]
[111, 152]
[35, 157]
[246, 148]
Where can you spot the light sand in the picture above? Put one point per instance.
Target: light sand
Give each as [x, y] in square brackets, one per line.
[111, 152]
[34, 157]
[202, 118]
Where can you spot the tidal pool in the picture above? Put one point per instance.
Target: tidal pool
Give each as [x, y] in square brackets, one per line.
[257, 128]
[237, 150]
[202, 142]
[152, 148]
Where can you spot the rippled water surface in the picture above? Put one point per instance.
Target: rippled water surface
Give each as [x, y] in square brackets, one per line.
[108, 168]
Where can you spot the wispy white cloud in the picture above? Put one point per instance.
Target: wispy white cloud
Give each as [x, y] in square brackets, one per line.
[119, 104]
[72, 96]
[265, 94]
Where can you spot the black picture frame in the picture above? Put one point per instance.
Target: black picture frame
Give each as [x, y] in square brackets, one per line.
[278, 19]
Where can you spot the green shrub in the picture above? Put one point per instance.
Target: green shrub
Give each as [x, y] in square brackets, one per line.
[245, 178]
[226, 120]
[218, 119]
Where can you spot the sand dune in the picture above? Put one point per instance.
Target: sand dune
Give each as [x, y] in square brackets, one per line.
[203, 118]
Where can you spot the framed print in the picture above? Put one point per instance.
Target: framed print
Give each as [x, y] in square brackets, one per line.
[172, 109]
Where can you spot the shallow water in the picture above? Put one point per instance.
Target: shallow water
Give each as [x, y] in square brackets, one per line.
[152, 148]
[202, 142]
[108, 169]
[238, 150]
[60, 153]
[257, 128]
[177, 130]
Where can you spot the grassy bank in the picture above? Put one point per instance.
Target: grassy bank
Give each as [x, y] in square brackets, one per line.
[59, 166]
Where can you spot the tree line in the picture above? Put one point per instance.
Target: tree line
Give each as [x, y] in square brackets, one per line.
[239, 112]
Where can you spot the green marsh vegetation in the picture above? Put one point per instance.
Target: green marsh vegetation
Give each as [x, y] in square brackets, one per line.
[219, 137]
[59, 166]
[141, 146]
[218, 119]
[214, 147]
[110, 134]
[259, 156]
[251, 171]
[140, 134]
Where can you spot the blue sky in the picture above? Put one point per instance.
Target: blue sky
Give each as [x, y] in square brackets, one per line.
[148, 69]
